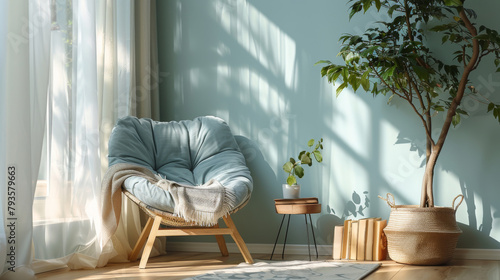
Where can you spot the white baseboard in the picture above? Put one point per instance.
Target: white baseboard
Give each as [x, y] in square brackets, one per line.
[323, 250]
[477, 254]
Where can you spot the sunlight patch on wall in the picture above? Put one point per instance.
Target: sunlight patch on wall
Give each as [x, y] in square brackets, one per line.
[261, 38]
[177, 40]
[223, 79]
[355, 127]
[399, 166]
[194, 77]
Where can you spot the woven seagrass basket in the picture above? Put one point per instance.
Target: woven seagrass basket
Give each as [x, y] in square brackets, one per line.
[422, 236]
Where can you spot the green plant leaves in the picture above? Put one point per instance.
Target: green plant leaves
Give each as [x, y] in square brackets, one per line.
[294, 168]
[496, 110]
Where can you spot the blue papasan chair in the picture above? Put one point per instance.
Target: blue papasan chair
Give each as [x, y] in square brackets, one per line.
[185, 175]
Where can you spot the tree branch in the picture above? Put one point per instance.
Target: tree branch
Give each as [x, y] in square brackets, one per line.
[426, 110]
[385, 83]
[410, 33]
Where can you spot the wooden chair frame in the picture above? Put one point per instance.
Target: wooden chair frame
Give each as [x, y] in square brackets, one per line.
[153, 230]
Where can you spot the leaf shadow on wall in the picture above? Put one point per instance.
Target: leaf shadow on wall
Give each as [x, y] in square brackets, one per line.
[353, 209]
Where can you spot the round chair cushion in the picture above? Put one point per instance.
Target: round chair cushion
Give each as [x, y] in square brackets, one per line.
[189, 152]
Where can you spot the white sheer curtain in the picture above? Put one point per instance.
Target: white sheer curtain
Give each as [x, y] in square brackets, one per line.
[67, 71]
[23, 25]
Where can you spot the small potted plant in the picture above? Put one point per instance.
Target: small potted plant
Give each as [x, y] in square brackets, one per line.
[294, 168]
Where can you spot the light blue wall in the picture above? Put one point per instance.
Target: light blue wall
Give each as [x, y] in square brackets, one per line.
[252, 63]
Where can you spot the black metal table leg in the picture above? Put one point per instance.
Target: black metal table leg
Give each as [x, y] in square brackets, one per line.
[277, 236]
[307, 231]
[286, 235]
[314, 237]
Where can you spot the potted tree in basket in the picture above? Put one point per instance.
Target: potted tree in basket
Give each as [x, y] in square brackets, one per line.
[294, 168]
[392, 58]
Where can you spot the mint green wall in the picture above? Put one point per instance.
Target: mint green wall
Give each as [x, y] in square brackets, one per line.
[252, 63]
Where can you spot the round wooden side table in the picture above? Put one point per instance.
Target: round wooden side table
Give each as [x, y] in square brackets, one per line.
[300, 206]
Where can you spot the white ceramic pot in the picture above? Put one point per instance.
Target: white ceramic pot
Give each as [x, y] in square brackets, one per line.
[291, 192]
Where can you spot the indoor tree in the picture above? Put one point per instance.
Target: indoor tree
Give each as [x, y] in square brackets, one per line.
[393, 58]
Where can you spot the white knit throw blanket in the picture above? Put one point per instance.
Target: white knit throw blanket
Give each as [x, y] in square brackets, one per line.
[203, 204]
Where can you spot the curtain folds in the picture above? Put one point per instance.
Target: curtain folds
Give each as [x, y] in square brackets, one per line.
[146, 92]
[24, 42]
[91, 62]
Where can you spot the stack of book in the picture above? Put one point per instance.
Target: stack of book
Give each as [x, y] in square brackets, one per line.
[362, 240]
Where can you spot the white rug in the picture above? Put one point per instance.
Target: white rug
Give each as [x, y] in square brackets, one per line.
[293, 270]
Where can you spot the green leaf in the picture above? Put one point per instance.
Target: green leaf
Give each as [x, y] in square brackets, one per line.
[299, 171]
[491, 106]
[352, 57]
[369, 50]
[444, 39]
[305, 159]
[389, 72]
[288, 167]
[355, 82]
[300, 154]
[456, 3]
[310, 142]
[365, 81]
[335, 75]
[291, 180]
[483, 37]
[341, 88]
[455, 120]
[318, 156]
[323, 62]
[392, 9]
[355, 9]
[367, 5]
[462, 112]
[390, 99]
[421, 72]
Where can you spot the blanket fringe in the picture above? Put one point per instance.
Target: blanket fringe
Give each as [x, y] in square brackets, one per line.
[199, 217]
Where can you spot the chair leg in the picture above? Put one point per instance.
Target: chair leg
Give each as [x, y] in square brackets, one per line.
[141, 241]
[222, 243]
[238, 240]
[151, 239]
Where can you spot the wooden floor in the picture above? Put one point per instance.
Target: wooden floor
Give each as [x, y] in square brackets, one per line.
[179, 265]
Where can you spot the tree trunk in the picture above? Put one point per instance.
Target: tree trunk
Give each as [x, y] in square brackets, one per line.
[427, 197]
